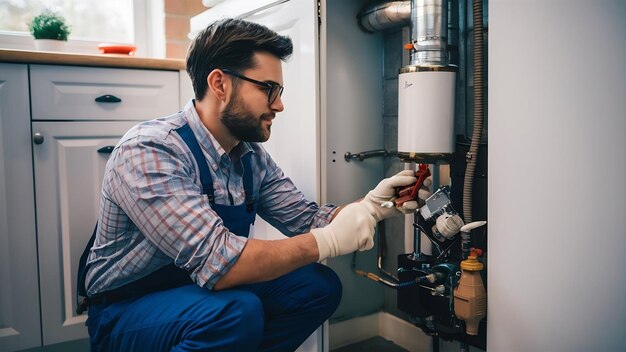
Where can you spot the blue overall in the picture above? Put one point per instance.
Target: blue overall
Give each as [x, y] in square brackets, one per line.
[276, 315]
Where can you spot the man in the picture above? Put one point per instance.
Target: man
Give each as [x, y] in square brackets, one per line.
[171, 267]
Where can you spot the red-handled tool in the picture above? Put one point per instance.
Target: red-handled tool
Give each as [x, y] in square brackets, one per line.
[409, 193]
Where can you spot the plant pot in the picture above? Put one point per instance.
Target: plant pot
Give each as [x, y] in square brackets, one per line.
[50, 45]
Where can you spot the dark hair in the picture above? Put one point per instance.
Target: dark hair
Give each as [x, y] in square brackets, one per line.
[231, 43]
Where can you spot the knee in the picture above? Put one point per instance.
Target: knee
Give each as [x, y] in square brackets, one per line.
[328, 285]
[248, 319]
[236, 326]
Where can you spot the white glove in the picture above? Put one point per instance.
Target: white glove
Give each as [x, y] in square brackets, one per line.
[351, 229]
[385, 191]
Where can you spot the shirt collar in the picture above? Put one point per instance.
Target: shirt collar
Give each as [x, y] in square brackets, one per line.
[207, 141]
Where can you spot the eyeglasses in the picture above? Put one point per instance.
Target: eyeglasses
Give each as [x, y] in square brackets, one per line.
[274, 90]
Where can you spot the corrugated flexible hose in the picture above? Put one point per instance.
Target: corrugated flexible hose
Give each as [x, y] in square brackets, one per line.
[478, 111]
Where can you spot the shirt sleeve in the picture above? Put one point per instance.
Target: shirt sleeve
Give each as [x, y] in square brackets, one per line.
[283, 206]
[156, 188]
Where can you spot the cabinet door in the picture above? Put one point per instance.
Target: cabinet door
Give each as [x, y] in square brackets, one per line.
[92, 93]
[19, 292]
[69, 167]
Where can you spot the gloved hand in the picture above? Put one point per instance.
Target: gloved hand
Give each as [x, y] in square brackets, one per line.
[385, 191]
[351, 229]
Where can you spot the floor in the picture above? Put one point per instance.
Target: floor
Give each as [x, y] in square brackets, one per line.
[375, 344]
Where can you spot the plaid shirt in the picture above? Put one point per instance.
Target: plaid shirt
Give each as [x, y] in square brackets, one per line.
[153, 212]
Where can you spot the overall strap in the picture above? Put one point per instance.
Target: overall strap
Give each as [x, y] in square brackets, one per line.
[81, 290]
[186, 134]
[247, 182]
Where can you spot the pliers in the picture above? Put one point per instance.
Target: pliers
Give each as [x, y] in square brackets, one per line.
[409, 193]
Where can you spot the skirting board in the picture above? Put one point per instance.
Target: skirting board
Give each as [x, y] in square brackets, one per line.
[390, 327]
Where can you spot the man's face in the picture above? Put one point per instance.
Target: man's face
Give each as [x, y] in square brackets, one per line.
[248, 115]
[244, 124]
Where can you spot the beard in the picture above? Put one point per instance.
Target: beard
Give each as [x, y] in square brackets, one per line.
[243, 125]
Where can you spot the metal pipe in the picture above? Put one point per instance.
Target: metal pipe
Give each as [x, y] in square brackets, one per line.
[369, 154]
[435, 343]
[382, 243]
[453, 31]
[396, 285]
[417, 236]
[384, 16]
[465, 245]
[429, 32]
[429, 26]
[379, 279]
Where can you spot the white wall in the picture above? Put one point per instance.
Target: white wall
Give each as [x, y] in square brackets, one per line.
[557, 160]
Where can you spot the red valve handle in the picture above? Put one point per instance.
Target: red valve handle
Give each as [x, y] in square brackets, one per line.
[406, 194]
[476, 251]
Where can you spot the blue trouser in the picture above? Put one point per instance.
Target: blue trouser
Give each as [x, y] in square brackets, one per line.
[276, 315]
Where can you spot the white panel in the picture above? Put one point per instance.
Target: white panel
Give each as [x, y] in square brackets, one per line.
[351, 121]
[293, 143]
[19, 291]
[231, 8]
[557, 123]
[69, 93]
[68, 182]
[352, 103]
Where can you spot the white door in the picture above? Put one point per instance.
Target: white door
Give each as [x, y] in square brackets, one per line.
[19, 291]
[294, 140]
[294, 143]
[69, 167]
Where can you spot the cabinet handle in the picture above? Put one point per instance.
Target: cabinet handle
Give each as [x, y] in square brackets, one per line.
[106, 150]
[108, 98]
[38, 138]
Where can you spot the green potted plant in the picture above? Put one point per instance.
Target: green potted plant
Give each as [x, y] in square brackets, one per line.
[49, 30]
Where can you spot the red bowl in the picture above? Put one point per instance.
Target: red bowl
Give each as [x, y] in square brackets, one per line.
[117, 49]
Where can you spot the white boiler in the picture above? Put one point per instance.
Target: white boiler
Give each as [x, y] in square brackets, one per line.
[426, 112]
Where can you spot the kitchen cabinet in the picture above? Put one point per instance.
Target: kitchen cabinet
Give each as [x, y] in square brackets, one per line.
[51, 164]
[19, 291]
[78, 116]
[69, 167]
